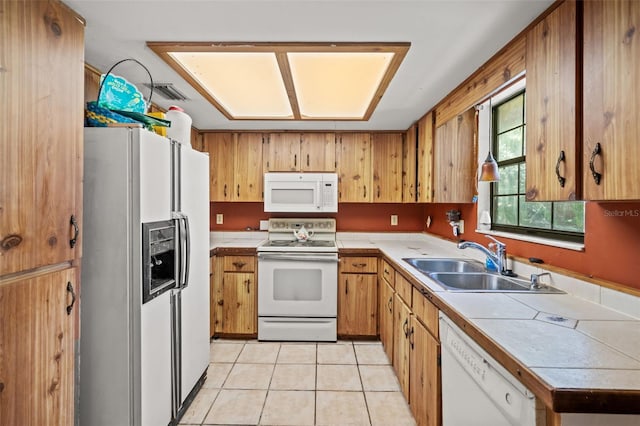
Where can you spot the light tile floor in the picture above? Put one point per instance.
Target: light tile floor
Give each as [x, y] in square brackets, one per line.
[256, 383]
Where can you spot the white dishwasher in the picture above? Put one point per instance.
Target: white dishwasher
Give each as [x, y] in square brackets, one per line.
[476, 390]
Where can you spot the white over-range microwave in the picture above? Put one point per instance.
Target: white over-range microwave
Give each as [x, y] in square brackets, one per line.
[301, 192]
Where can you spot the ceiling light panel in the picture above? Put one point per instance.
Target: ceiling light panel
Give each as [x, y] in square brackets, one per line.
[247, 85]
[337, 85]
[287, 81]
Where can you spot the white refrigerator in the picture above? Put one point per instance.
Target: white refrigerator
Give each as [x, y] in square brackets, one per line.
[144, 344]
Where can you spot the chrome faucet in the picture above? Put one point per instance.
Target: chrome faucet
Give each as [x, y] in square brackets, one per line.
[535, 283]
[499, 256]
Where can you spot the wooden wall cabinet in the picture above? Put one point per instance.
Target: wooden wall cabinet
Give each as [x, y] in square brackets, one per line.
[41, 160]
[409, 165]
[353, 155]
[41, 156]
[386, 157]
[235, 296]
[424, 186]
[235, 166]
[552, 113]
[358, 297]
[300, 152]
[318, 152]
[610, 100]
[455, 159]
[281, 152]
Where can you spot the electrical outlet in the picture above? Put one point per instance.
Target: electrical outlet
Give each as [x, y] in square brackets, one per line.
[219, 219]
[394, 220]
[461, 226]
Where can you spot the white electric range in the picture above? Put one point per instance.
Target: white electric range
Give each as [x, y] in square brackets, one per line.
[298, 281]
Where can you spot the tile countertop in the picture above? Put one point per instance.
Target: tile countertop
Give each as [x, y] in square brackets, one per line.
[564, 342]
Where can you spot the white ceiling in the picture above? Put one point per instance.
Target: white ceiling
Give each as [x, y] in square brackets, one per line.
[449, 40]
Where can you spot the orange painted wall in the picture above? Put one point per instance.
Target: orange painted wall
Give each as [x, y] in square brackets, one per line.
[612, 239]
[353, 217]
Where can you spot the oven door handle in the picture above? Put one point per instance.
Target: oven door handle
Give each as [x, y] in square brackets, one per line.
[332, 258]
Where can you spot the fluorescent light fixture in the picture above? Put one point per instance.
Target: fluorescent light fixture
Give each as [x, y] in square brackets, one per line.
[337, 85]
[287, 81]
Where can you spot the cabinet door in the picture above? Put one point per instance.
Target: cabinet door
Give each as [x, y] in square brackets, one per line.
[354, 167]
[248, 177]
[281, 152]
[454, 160]
[357, 305]
[386, 157]
[611, 93]
[401, 328]
[552, 163]
[425, 376]
[37, 341]
[409, 159]
[385, 312]
[221, 148]
[236, 304]
[424, 191]
[318, 152]
[41, 82]
[212, 297]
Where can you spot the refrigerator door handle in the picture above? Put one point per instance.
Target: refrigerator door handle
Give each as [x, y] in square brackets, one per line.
[187, 251]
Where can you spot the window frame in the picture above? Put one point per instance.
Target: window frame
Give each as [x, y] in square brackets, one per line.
[552, 234]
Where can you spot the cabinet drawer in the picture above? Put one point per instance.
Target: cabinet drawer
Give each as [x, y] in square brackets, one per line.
[403, 288]
[359, 265]
[426, 311]
[239, 263]
[388, 273]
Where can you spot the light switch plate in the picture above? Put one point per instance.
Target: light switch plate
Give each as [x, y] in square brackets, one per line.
[264, 225]
[219, 219]
[394, 220]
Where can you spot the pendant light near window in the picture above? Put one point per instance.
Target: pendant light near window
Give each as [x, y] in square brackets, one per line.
[489, 170]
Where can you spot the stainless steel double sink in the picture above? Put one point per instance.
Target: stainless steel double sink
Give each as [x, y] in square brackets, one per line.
[462, 275]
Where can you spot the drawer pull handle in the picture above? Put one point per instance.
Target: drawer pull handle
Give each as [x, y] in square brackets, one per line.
[596, 176]
[359, 265]
[73, 297]
[561, 179]
[346, 287]
[411, 338]
[239, 265]
[73, 222]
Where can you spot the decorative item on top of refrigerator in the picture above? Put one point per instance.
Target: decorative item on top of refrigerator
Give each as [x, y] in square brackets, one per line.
[180, 129]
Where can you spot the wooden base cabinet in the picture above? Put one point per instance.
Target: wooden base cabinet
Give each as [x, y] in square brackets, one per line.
[37, 318]
[401, 328]
[358, 297]
[235, 300]
[385, 309]
[424, 381]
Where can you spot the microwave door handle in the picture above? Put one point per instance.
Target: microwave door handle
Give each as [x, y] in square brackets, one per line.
[320, 195]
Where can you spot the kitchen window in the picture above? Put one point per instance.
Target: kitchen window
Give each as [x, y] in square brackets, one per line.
[510, 211]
